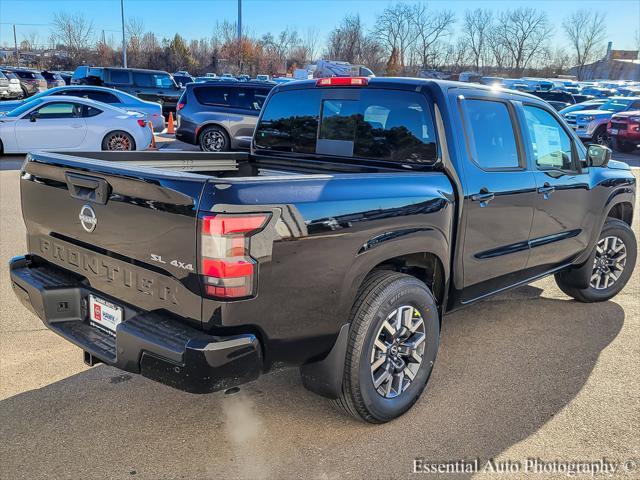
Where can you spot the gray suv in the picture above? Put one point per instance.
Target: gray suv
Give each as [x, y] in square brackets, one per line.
[220, 116]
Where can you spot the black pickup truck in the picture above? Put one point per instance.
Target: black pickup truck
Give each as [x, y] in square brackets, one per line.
[365, 211]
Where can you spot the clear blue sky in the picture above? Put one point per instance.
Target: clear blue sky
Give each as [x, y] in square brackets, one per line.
[196, 18]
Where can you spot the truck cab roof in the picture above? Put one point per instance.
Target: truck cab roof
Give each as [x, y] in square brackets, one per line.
[409, 84]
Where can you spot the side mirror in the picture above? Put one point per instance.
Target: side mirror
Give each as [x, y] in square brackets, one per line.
[33, 116]
[598, 155]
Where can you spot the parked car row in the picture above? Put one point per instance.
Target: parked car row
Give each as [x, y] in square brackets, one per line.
[594, 124]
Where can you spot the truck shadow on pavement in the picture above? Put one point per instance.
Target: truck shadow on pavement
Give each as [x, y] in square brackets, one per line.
[505, 368]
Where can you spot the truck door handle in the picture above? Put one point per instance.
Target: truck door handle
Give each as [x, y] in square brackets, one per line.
[484, 197]
[84, 187]
[76, 125]
[547, 190]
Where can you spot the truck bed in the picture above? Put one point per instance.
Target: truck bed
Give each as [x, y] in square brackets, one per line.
[327, 224]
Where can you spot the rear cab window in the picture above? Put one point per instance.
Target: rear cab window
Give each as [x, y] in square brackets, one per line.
[366, 123]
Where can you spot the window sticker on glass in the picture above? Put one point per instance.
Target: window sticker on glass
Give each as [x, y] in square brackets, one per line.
[547, 145]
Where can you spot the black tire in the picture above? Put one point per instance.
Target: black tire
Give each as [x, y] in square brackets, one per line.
[118, 140]
[601, 137]
[383, 293]
[623, 147]
[213, 139]
[612, 228]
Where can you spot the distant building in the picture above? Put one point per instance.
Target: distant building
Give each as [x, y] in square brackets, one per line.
[616, 65]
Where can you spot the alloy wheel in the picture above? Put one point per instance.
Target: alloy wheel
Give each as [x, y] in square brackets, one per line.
[611, 257]
[397, 352]
[213, 141]
[118, 141]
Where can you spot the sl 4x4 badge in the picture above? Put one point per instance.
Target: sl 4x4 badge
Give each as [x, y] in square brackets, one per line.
[174, 263]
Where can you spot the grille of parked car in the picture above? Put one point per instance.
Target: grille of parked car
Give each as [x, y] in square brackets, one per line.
[571, 119]
[619, 126]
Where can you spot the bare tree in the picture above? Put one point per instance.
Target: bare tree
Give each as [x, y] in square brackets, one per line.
[430, 29]
[29, 41]
[346, 40]
[498, 49]
[73, 32]
[524, 32]
[394, 28]
[135, 32]
[476, 28]
[586, 31]
[311, 43]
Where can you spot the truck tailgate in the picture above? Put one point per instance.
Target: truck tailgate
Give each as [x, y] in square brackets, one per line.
[129, 231]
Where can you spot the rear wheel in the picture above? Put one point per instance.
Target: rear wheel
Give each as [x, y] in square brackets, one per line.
[623, 147]
[118, 140]
[213, 139]
[393, 341]
[615, 258]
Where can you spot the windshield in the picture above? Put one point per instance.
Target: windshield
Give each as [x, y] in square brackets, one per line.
[16, 112]
[616, 105]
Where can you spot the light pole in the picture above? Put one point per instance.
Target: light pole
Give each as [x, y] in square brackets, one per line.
[239, 20]
[240, 35]
[124, 41]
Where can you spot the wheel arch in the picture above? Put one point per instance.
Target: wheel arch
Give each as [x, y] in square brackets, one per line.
[622, 210]
[324, 377]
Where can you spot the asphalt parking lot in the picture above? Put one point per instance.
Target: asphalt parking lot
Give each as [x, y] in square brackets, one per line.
[528, 374]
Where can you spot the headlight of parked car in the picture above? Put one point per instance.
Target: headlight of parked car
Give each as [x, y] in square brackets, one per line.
[634, 119]
[586, 118]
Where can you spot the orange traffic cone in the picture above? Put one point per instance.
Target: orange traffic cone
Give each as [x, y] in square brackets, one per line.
[153, 138]
[171, 128]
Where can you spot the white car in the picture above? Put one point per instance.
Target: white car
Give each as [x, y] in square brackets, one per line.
[113, 97]
[72, 123]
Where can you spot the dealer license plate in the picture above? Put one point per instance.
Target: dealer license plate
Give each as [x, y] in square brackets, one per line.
[104, 315]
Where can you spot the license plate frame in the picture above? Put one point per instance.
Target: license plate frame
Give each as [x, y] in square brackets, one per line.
[104, 315]
[614, 131]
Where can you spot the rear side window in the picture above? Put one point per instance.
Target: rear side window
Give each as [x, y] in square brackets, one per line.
[120, 76]
[386, 125]
[210, 95]
[104, 97]
[249, 98]
[89, 111]
[142, 79]
[492, 134]
[27, 75]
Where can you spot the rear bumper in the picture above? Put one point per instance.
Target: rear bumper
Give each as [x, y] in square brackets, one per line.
[153, 345]
[186, 134]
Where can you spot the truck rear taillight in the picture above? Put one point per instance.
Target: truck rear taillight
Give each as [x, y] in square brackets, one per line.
[180, 106]
[142, 123]
[342, 82]
[227, 269]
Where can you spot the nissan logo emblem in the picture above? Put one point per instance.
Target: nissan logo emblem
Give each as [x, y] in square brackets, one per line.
[88, 218]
